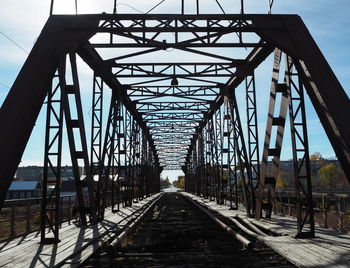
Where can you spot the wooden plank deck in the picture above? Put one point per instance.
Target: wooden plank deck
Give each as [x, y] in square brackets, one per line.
[77, 243]
[328, 249]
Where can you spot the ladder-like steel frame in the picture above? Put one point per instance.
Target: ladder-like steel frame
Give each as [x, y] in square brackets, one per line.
[85, 189]
[182, 123]
[51, 203]
[267, 181]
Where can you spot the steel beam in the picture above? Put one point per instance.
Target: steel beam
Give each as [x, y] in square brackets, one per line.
[328, 97]
[22, 105]
[50, 203]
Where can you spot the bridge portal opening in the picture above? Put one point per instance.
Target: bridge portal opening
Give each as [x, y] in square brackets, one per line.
[172, 92]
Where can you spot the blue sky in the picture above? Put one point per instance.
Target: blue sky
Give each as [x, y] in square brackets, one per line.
[329, 23]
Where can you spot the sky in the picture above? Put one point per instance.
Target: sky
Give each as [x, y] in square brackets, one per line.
[22, 20]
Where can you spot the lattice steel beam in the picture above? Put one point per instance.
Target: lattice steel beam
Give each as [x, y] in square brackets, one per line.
[50, 204]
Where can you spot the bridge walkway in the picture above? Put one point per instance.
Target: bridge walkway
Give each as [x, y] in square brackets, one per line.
[77, 243]
[175, 233]
[328, 249]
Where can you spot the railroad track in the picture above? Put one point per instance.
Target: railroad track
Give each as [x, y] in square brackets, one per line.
[175, 233]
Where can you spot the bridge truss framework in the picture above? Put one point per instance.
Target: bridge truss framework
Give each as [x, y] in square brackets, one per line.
[172, 115]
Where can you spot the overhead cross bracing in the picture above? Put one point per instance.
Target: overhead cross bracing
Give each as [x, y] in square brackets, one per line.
[172, 112]
[189, 86]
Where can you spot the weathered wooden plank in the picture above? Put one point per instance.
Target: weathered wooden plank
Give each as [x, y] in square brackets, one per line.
[329, 249]
[73, 244]
[29, 252]
[62, 250]
[28, 243]
[302, 254]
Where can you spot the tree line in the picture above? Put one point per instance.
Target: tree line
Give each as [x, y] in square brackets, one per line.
[327, 174]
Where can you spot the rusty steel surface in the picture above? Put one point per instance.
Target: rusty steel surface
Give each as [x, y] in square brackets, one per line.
[146, 131]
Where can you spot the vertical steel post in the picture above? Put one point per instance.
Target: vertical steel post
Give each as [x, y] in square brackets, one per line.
[253, 138]
[76, 7]
[78, 149]
[229, 157]
[300, 147]
[268, 180]
[218, 140]
[239, 143]
[128, 157]
[96, 136]
[115, 7]
[115, 187]
[107, 157]
[52, 166]
[212, 164]
[201, 163]
[122, 154]
[51, 7]
[208, 160]
[242, 6]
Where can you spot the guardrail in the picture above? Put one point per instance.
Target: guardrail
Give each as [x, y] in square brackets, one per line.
[20, 217]
[324, 189]
[331, 210]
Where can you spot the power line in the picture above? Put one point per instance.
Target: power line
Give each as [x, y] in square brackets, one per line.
[223, 11]
[155, 6]
[122, 4]
[17, 45]
[14, 42]
[137, 10]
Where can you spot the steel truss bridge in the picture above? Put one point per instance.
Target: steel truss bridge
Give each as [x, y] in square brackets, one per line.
[166, 113]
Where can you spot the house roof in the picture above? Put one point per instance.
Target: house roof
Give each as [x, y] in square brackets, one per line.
[24, 185]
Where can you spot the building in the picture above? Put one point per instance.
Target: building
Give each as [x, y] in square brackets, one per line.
[24, 189]
[35, 173]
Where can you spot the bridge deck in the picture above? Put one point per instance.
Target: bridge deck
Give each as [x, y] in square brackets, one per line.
[175, 233]
[328, 249]
[76, 244]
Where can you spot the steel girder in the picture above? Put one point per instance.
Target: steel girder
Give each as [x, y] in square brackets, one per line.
[187, 33]
[194, 93]
[326, 93]
[132, 70]
[50, 204]
[73, 114]
[272, 148]
[23, 103]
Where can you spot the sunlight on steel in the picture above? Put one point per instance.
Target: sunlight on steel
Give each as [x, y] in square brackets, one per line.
[172, 104]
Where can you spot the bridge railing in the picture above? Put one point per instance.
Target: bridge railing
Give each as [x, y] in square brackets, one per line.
[22, 216]
[331, 210]
[323, 189]
[19, 217]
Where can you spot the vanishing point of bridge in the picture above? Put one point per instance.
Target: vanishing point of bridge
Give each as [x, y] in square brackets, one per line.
[172, 114]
